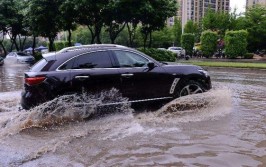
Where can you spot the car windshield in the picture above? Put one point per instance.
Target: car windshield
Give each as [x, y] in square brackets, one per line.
[22, 54]
[175, 48]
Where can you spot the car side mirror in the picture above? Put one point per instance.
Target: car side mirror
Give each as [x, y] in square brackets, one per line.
[151, 65]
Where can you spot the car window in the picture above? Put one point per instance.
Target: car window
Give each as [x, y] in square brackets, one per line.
[99, 59]
[22, 54]
[129, 59]
[39, 65]
[11, 54]
[67, 65]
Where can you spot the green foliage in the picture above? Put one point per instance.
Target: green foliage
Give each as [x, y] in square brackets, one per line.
[190, 27]
[177, 31]
[45, 19]
[236, 43]
[159, 55]
[256, 27]
[38, 56]
[187, 42]
[208, 42]
[60, 45]
[248, 56]
[163, 38]
[217, 21]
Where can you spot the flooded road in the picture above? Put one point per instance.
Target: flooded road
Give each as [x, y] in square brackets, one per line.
[228, 130]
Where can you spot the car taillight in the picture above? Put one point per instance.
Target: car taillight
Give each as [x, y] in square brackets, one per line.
[34, 80]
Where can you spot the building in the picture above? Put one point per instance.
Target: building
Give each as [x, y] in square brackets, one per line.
[195, 9]
[250, 3]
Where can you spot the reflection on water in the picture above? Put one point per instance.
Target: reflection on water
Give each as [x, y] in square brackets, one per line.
[223, 127]
[11, 75]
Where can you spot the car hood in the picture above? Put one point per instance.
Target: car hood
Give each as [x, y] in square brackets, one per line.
[181, 68]
[25, 57]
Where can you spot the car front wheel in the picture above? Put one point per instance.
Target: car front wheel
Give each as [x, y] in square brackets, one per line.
[189, 88]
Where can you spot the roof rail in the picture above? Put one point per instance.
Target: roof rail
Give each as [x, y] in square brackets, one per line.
[73, 48]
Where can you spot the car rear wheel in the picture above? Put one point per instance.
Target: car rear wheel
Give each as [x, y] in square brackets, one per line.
[190, 88]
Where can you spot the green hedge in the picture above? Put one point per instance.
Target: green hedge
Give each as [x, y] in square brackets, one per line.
[236, 43]
[60, 45]
[159, 55]
[187, 42]
[248, 56]
[208, 42]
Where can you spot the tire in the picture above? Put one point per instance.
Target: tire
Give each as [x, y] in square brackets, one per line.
[189, 88]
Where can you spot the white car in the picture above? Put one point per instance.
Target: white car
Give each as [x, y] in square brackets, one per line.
[178, 50]
[21, 57]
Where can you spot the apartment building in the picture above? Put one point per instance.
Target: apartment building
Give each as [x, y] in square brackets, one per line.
[195, 9]
[250, 3]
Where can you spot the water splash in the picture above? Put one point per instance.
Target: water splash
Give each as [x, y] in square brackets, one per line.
[61, 110]
[193, 108]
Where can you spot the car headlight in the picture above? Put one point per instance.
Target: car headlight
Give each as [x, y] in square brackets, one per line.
[204, 72]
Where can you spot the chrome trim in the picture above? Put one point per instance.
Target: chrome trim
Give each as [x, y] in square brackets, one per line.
[172, 89]
[132, 101]
[127, 75]
[82, 77]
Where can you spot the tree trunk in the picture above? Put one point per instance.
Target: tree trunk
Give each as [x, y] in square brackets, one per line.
[92, 35]
[23, 43]
[150, 39]
[131, 32]
[114, 33]
[69, 38]
[2, 45]
[145, 39]
[33, 45]
[51, 44]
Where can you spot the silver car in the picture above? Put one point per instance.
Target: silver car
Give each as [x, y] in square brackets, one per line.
[178, 50]
[1, 61]
[21, 57]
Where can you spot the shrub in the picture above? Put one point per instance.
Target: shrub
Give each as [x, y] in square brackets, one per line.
[38, 56]
[187, 42]
[236, 43]
[208, 42]
[248, 56]
[159, 55]
[60, 45]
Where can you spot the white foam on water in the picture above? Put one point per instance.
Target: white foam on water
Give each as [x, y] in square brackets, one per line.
[59, 111]
[199, 107]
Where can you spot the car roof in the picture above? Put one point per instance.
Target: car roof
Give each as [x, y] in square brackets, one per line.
[70, 52]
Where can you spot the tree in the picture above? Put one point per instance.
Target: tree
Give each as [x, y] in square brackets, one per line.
[177, 30]
[236, 43]
[45, 19]
[217, 21]
[208, 42]
[256, 27]
[68, 17]
[154, 13]
[92, 16]
[112, 20]
[187, 42]
[12, 21]
[190, 27]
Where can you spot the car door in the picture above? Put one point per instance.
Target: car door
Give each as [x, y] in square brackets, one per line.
[94, 72]
[138, 81]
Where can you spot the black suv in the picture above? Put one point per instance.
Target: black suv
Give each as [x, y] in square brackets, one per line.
[95, 68]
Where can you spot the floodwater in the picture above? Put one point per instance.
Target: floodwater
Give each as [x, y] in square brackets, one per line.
[224, 127]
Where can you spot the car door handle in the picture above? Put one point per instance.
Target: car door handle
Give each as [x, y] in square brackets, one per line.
[127, 75]
[82, 77]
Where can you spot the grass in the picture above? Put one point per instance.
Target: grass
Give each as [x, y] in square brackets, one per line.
[227, 64]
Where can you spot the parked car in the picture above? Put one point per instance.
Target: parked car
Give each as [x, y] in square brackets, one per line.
[101, 67]
[1, 60]
[178, 50]
[21, 57]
